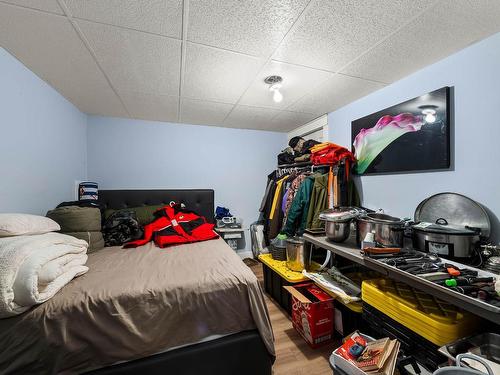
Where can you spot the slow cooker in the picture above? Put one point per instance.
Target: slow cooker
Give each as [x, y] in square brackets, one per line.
[450, 225]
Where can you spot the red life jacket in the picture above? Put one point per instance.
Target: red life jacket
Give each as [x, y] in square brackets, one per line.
[174, 227]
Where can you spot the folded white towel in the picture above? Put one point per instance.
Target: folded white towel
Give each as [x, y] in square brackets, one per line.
[34, 268]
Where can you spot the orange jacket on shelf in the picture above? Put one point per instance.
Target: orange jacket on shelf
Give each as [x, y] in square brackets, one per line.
[331, 154]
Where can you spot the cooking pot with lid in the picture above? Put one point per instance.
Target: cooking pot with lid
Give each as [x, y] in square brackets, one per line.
[338, 222]
[388, 230]
[450, 225]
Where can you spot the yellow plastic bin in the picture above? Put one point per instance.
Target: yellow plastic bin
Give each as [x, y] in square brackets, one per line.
[437, 321]
[276, 276]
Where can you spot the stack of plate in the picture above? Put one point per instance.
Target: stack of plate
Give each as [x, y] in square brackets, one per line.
[493, 265]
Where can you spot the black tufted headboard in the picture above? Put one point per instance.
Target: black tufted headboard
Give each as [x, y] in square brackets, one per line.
[199, 200]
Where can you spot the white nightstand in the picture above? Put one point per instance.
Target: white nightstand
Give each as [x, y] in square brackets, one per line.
[231, 235]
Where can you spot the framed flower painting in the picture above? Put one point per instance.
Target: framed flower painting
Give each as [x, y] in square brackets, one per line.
[410, 136]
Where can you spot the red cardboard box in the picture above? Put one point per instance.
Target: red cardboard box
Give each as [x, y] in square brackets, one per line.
[312, 313]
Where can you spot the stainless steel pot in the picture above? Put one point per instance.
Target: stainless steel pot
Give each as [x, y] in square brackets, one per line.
[338, 231]
[459, 369]
[388, 231]
[298, 257]
[338, 222]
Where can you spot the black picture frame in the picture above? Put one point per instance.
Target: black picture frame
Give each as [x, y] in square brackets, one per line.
[403, 138]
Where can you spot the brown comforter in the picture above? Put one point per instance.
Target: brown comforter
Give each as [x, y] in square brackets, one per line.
[134, 303]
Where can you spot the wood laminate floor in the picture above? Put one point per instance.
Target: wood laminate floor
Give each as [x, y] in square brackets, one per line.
[293, 355]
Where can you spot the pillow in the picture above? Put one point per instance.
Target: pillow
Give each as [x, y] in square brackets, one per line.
[144, 213]
[21, 224]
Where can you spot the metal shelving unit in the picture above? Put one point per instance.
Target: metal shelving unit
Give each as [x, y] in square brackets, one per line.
[350, 251]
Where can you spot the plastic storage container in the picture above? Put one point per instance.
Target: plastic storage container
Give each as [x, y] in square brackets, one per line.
[348, 318]
[276, 276]
[435, 320]
[277, 248]
[413, 345]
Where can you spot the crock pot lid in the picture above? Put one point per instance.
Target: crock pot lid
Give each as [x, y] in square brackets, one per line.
[339, 214]
[458, 211]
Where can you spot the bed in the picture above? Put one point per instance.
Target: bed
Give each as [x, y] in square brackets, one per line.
[188, 309]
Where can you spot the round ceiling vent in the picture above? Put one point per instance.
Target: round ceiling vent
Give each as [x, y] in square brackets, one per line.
[272, 80]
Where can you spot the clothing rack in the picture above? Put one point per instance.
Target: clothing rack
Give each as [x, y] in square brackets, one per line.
[305, 166]
[281, 171]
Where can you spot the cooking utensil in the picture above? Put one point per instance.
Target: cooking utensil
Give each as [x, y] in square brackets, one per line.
[338, 222]
[382, 250]
[450, 225]
[298, 256]
[388, 230]
[493, 265]
[460, 368]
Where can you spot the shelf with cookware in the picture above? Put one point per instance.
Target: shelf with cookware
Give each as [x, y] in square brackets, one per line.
[436, 267]
[352, 252]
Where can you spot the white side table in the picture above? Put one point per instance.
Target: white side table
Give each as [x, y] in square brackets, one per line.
[231, 235]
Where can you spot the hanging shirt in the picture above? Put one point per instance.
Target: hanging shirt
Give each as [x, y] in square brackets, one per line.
[277, 195]
[318, 202]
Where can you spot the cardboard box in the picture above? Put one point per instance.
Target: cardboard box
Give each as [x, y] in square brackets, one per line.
[312, 313]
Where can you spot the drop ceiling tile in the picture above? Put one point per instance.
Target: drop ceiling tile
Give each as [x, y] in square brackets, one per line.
[448, 27]
[135, 61]
[254, 27]
[203, 113]
[151, 107]
[287, 120]
[332, 33]
[49, 46]
[45, 5]
[162, 17]
[217, 75]
[335, 93]
[296, 81]
[246, 117]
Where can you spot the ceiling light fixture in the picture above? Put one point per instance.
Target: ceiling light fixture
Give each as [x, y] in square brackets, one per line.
[429, 111]
[274, 83]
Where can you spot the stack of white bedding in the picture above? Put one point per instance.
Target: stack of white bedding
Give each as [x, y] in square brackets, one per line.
[34, 267]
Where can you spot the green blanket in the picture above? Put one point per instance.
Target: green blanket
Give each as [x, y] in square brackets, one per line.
[94, 239]
[77, 219]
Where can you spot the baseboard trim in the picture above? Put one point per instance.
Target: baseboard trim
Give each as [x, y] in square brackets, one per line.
[245, 254]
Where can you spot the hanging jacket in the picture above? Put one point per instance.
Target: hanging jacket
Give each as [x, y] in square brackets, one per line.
[330, 153]
[318, 202]
[173, 226]
[294, 187]
[297, 215]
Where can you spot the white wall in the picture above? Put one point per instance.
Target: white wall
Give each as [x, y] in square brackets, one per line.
[42, 141]
[124, 153]
[474, 74]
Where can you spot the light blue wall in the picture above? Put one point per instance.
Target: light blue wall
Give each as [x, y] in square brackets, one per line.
[125, 153]
[42, 141]
[474, 73]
